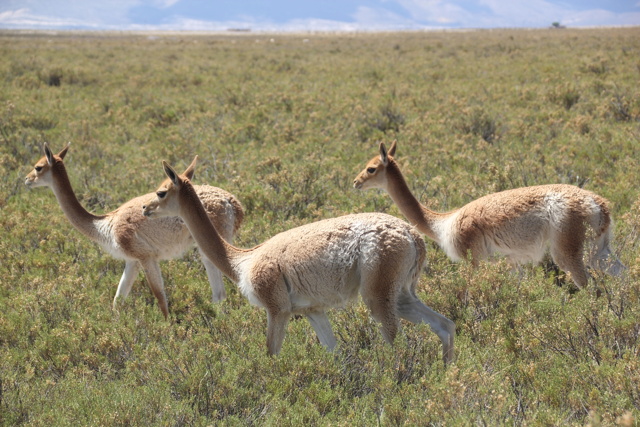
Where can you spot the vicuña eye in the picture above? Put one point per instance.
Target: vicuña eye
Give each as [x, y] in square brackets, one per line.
[38, 168]
[161, 194]
[371, 170]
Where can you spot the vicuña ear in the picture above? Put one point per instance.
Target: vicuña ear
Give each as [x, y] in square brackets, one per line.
[63, 152]
[173, 176]
[191, 168]
[384, 156]
[392, 150]
[48, 154]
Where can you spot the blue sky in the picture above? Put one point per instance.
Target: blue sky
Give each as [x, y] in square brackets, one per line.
[311, 15]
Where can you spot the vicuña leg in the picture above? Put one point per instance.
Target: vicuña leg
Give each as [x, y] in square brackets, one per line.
[567, 248]
[276, 327]
[412, 309]
[379, 298]
[320, 323]
[218, 292]
[603, 259]
[154, 279]
[129, 276]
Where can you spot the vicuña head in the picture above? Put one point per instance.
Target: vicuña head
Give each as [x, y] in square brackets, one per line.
[41, 175]
[125, 234]
[374, 175]
[310, 269]
[520, 224]
[161, 205]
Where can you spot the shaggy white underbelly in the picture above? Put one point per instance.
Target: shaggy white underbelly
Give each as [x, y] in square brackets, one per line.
[166, 247]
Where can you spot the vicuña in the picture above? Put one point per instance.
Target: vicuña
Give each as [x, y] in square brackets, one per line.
[309, 269]
[126, 234]
[521, 224]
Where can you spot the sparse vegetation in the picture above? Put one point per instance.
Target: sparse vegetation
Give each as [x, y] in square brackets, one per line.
[285, 126]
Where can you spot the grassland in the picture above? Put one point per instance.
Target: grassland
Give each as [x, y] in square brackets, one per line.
[285, 123]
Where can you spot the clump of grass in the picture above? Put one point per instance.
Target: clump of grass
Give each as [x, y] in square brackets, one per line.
[40, 123]
[620, 108]
[565, 96]
[598, 67]
[478, 122]
[52, 77]
[387, 120]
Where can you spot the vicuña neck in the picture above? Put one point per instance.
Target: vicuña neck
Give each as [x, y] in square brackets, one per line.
[205, 234]
[80, 218]
[416, 213]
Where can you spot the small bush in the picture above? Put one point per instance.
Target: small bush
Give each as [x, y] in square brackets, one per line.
[620, 109]
[388, 119]
[53, 77]
[598, 67]
[566, 96]
[479, 123]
